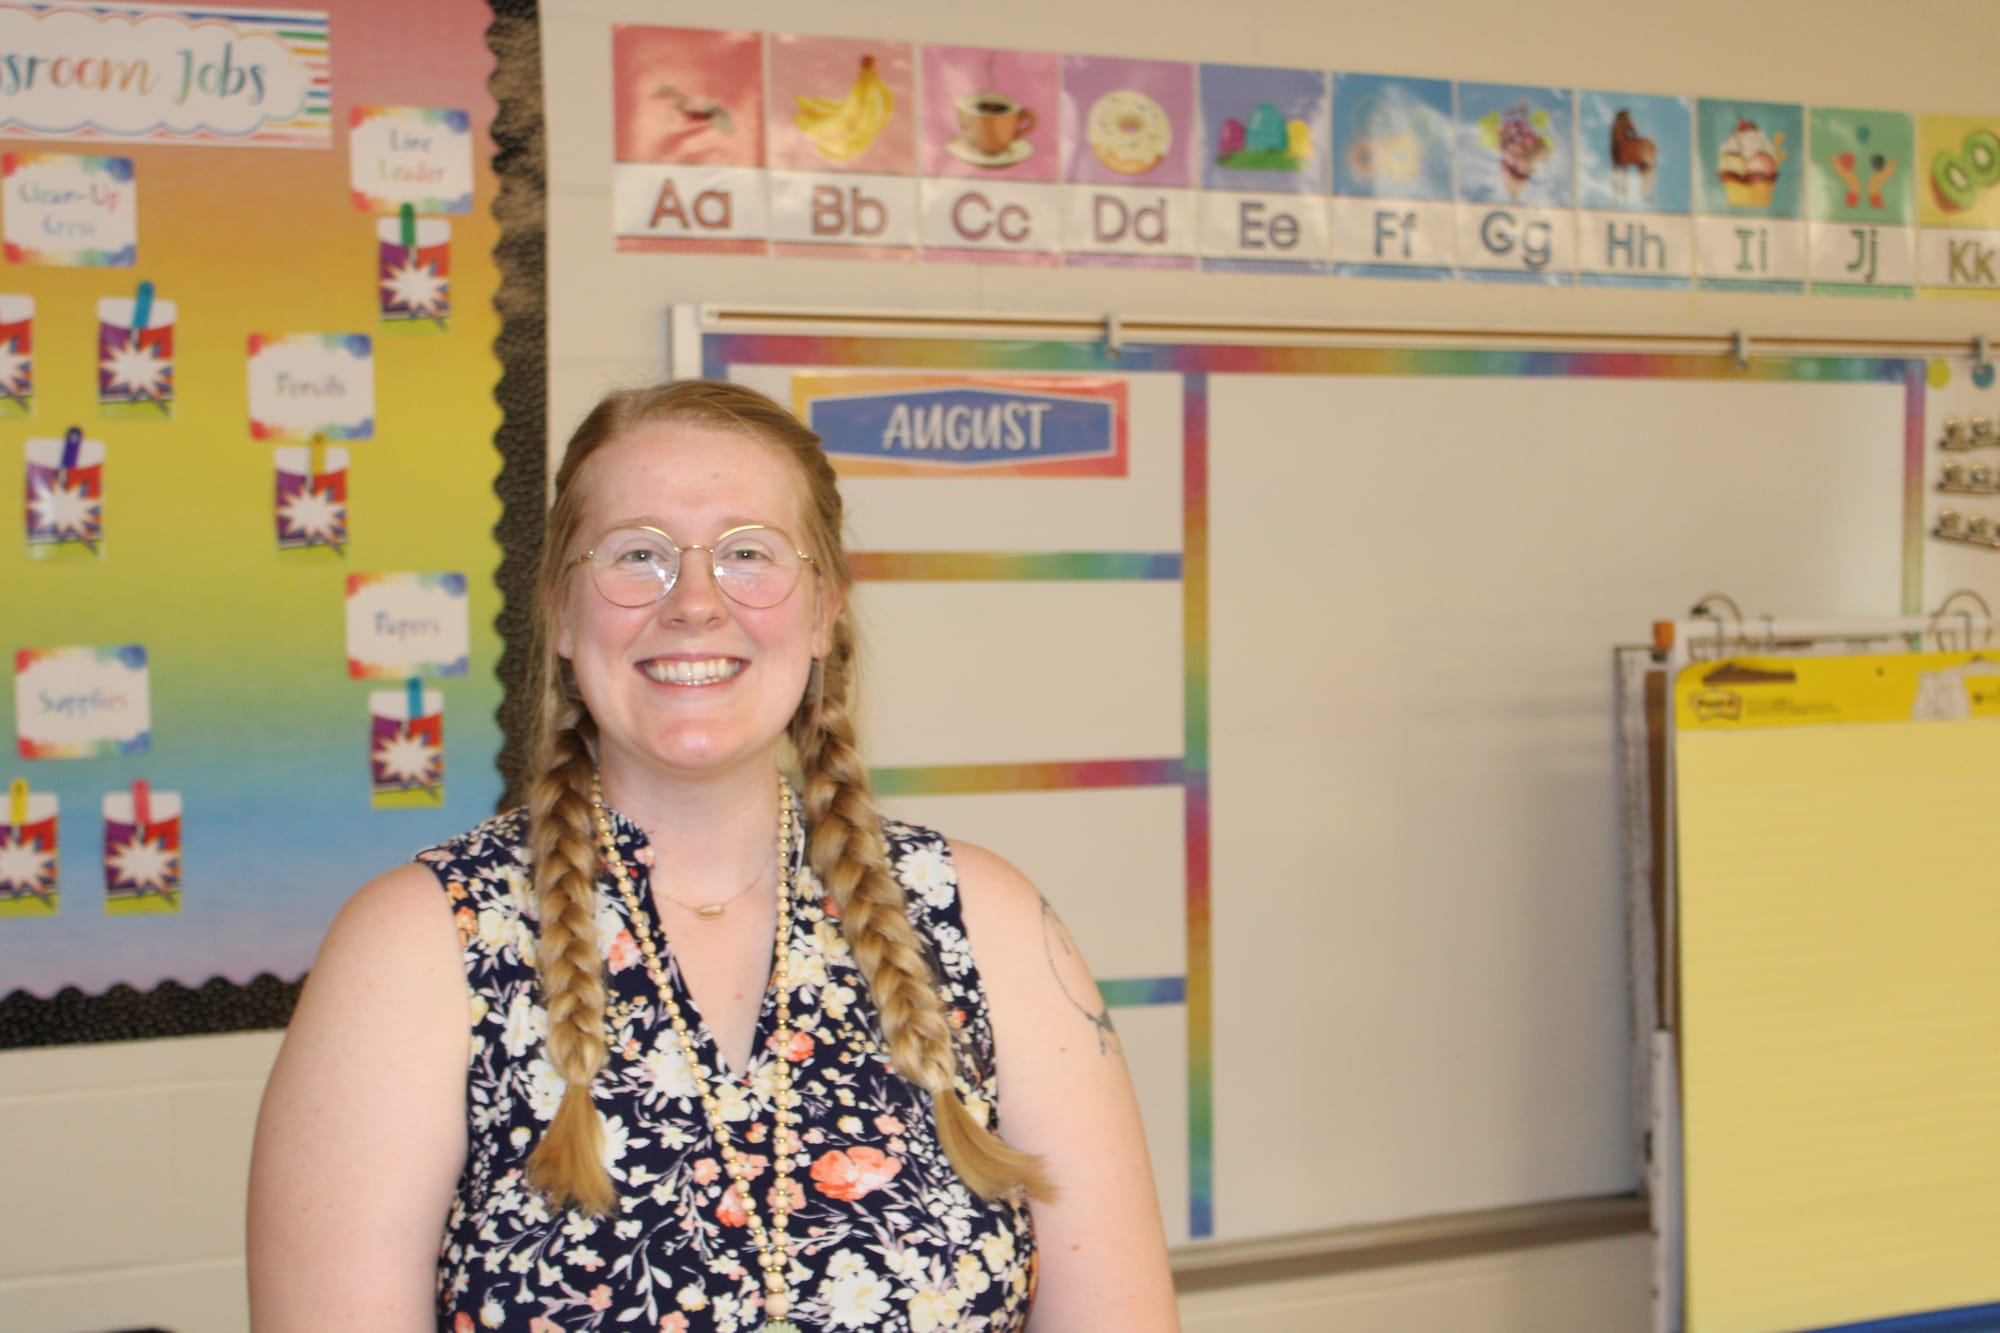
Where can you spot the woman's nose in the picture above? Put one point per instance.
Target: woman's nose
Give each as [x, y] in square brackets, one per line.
[695, 597]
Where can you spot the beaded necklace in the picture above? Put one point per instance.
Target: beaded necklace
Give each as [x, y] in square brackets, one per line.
[772, 1255]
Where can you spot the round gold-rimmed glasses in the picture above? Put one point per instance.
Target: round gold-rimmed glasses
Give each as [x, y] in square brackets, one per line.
[755, 565]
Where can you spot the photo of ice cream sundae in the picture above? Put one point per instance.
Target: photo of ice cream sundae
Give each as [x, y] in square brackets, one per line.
[1520, 135]
[1748, 165]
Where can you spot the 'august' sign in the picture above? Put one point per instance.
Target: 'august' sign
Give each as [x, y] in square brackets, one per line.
[145, 72]
[910, 425]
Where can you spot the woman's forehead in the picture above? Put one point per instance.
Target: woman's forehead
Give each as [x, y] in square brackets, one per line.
[672, 472]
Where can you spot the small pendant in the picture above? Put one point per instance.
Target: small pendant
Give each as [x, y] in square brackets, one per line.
[710, 911]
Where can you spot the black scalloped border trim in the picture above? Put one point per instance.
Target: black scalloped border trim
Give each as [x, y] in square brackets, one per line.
[72, 1016]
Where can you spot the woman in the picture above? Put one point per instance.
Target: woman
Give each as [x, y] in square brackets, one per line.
[684, 1045]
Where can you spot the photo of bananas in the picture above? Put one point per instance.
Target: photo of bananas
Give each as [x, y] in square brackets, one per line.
[842, 128]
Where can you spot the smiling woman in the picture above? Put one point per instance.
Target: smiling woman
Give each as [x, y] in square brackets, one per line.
[741, 1051]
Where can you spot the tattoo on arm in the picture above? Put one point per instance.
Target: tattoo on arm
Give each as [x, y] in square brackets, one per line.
[1056, 939]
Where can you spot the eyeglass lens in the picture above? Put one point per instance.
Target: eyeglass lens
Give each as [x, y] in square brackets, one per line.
[754, 566]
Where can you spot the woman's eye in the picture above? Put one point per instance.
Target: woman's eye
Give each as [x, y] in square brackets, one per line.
[742, 554]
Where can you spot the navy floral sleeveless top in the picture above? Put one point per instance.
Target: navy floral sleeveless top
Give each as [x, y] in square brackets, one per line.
[883, 1234]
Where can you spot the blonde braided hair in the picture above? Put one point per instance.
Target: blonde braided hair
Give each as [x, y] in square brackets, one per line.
[846, 847]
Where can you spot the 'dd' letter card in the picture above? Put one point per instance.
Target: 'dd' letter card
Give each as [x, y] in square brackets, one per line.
[70, 210]
[80, 703]
[421, 156]
[304, 385]
[403, 625]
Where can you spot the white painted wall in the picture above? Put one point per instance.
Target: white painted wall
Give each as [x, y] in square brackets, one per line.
[122, 1167]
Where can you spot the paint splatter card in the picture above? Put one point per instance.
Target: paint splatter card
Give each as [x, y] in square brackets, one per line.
[413, 273]
[311, 498]
[304, 385]
[68, 210]
[17, 356]
[30, 853]
[82, 703]
[142, 851]
[406, 748]
[403, 625]
[135, 356]
[65, 495]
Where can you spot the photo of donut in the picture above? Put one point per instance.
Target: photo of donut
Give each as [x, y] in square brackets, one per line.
[1129, 132]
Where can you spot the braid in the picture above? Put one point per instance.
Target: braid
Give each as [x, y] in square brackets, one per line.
[568, 1164]
[849, 857]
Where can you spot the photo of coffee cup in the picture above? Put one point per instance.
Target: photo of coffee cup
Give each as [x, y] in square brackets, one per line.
[991, 122]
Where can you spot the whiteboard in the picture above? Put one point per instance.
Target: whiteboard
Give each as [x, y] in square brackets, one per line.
[1413, 934]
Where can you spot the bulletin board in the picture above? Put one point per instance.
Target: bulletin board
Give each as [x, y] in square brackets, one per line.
[247, 397]
[1301, 716]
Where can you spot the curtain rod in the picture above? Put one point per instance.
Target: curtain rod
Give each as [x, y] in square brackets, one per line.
[1116, 329]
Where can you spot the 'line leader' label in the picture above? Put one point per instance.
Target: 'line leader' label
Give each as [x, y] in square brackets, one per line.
[929, 425]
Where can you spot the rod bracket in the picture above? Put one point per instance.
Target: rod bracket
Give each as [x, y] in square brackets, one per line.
[1114, 334]
[1739, 348]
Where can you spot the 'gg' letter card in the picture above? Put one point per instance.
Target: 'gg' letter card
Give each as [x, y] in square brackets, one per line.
[403, 625]
[79, 703]
[30, 853]
[142, 851]
[307, 384]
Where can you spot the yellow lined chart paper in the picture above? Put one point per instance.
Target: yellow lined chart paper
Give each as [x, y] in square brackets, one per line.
[1839, 916]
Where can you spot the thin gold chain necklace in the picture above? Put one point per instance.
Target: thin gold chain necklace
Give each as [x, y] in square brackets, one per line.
[772, 1256]
[710, 911]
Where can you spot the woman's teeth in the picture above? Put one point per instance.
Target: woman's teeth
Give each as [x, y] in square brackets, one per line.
[706, 672]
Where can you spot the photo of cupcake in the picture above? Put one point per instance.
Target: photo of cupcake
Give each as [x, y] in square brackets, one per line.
[1748, 165]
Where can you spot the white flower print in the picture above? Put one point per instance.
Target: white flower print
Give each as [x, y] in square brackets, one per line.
[926, 872]
[545, 1089]
[527, 1024]
[855, 1299]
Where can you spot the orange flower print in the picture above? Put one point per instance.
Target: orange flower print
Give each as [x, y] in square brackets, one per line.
[600, 1297]
[852, 1174]
[461, 1323]
[888, 1124]
[455, 891]
[831, 909]
[624, 951]
[674, 1323]
[468, 930]
[706, 1171]
[731, 1212]
[799, 1048]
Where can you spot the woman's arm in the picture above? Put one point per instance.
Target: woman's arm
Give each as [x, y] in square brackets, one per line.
[362, 1133]
[1065, 1093]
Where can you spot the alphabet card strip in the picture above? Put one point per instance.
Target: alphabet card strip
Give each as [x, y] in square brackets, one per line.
[841, 140]
[403, 625]
[1128, 135]
[311, 502]
[991, 154]
[135, 356]
[421, 156]
[413, 272]
[142, 851]
[65, 494]
[17, 356]
[1516, 183]
[307, 385]
[70, 210]
[81, 703]
[30, 853]
[406, 747]
[1750, 233]
[1958, 208]
[1634, 185]
[688, 117]
[1265, 160]
[1862, 237]
[1393, 215]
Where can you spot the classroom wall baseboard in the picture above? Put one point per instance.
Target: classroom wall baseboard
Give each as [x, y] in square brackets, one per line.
[1214, 1265]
